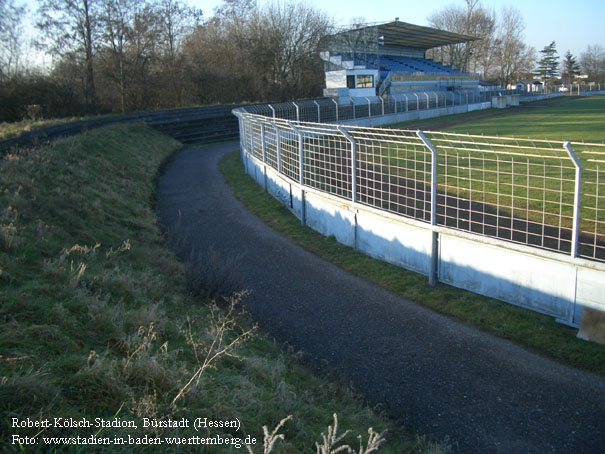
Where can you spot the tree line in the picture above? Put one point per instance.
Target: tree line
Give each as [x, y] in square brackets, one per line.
[500, 55]
[136, 55]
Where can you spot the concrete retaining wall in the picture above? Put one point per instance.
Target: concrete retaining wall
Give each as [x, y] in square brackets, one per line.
[543, 281]
[531, 98]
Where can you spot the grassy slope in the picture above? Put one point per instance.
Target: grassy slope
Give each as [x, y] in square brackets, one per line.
[534, 331]
[96, 318]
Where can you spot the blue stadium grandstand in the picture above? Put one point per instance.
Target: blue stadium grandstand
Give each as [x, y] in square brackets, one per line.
[390, 58]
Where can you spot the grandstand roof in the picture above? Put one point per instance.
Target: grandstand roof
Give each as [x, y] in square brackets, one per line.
[404, 34]
[398, 33]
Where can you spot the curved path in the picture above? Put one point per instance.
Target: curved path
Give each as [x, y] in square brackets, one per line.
[439, 376]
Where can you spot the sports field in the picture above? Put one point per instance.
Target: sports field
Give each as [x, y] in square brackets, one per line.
[521, 190]
[572, 119]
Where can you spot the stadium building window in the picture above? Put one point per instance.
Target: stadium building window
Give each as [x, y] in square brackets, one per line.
[350, 81]
[365, 81]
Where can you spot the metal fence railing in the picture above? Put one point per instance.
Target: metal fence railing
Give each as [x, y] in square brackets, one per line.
[575, 89]
[544, 194]
[326, 110]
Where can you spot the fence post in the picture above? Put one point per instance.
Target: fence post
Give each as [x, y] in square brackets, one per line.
[353, 162]
[354, 113]
[382, 101]
[272, 110]
[301, 179]
[576, 199]
[264, 150]
[369, 106]
[262, 142]
[437, 100]
[239, 125]
[277, 146]
[336, 104]
[318, 112]
[297, 111]
[434, 235]
[406, 103]
[417, 101]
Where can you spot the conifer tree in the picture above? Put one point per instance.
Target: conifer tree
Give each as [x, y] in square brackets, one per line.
[571, 68]
[548, 65]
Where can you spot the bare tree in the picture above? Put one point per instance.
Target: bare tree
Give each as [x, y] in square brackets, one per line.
[249, 53]
[284, 41]
[117, 18]
[512, 56]
[175, 21]
[70, 30]
[472, 20]
[11, 18]
[593, 63]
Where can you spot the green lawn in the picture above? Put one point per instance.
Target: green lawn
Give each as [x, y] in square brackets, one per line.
[566, 119]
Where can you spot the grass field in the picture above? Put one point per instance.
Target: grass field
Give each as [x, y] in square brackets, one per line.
[570, 118]
[531, 181]
[534, 331]
[98, 320]
[519, 189]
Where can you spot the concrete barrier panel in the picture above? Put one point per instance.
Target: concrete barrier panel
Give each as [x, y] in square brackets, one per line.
[531, 281]
[330, 218]
[590, 290]
[479, 106]
[279, 188]
[397, 243]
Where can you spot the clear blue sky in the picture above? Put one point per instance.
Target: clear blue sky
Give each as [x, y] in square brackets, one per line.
[573, 25]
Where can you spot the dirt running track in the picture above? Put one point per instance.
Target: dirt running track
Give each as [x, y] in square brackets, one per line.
[438, 375]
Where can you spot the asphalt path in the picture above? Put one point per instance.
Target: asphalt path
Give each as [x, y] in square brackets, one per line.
[435, 374]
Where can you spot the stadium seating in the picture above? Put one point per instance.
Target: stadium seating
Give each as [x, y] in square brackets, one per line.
[411, 64]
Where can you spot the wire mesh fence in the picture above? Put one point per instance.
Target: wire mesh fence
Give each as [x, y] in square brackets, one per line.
[544, 194]
[326, 110]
